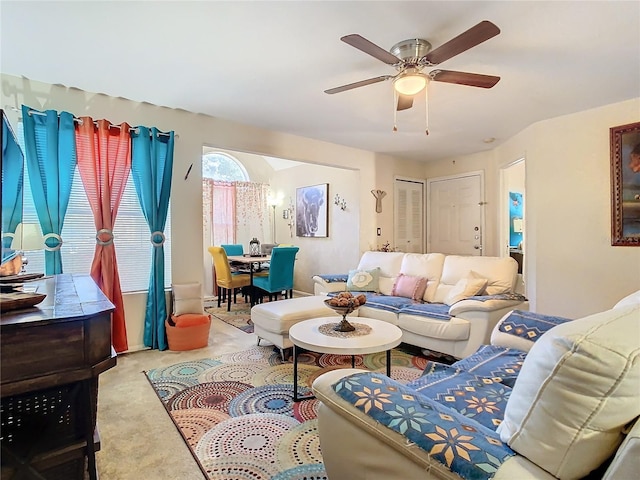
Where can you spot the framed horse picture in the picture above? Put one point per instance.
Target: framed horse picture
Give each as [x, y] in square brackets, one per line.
[625, 185]
[312, 213]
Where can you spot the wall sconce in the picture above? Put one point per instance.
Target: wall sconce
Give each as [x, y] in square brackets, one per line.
[287, 214]
[340, 202]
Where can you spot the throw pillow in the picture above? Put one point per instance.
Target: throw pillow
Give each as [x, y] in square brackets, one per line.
[364, 280]
[187, 298]
[409, 286]
[468, 286]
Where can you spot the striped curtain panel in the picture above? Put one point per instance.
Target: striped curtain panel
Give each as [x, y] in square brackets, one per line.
[50, 146]
[104, 163]
[151, 168]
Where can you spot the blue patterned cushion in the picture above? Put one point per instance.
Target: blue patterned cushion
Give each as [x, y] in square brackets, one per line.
[462, 444]
[482, 399]
[439, 311]
[334, 278]
[529, 325]
[501, 364]
[388, 302]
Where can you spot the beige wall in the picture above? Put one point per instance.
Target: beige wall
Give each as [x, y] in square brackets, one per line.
[195, 131]
[571, 268]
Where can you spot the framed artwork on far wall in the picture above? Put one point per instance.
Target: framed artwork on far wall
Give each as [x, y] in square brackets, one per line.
[625, 185]
[312, 212]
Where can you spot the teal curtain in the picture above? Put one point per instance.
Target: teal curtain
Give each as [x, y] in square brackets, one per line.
[50, 147]
[151, 170]
[12, 181]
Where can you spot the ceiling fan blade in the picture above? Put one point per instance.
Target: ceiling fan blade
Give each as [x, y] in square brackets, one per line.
[370, 48]
[404, 102]
[361, 83]
[464, 78]
[466, 40]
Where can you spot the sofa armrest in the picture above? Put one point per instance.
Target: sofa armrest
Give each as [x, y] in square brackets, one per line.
[471, 305]
[626, 463]
[520, 329]
[329, 283]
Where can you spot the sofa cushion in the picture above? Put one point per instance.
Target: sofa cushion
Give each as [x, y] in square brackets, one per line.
[468, 286]
[500, 272]
[389, 264]
[409, 286]
[361, 280]
[454, 329]
[590, 366]
[483, 399]
[428, 265]
[630, 300]
[497, 363]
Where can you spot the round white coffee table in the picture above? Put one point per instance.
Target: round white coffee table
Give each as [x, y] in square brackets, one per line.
[307, 335]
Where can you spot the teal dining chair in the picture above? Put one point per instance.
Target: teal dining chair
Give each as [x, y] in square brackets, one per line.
[280, 278]
[235, 249]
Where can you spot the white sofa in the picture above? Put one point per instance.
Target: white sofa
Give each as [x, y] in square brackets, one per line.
[458, 329]
[567, 409]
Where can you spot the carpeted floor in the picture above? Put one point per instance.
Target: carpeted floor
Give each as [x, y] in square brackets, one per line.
[239, 316]
[236, 412]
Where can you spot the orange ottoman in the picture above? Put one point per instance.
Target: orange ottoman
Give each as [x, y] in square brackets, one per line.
[190, 331]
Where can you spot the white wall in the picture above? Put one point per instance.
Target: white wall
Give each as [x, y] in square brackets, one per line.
[341, 250]
[571, 268]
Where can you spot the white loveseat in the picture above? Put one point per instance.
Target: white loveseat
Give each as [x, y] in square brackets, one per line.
[567, 409]
[457, 329]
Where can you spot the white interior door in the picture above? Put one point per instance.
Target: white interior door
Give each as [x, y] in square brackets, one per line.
[455, 219]
[409, 215]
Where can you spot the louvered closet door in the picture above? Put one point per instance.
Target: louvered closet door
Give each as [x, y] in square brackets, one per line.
[409, 215]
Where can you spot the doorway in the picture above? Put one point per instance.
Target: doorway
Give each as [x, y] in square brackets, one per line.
[512, 213]
[409, 215]
[455, 218]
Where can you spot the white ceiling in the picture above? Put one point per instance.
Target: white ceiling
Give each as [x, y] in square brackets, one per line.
[268, 63]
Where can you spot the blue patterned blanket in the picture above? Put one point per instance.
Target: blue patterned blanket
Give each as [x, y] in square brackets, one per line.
[463, 444]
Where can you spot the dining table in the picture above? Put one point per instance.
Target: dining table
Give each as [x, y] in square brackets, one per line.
[251, 261]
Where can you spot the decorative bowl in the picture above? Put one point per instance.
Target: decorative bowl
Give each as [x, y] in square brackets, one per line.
[344, 325]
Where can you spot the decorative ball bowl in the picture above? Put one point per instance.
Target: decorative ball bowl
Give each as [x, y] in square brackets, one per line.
[344, 325]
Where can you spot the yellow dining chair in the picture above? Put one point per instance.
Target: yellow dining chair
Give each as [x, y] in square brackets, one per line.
[228, 284]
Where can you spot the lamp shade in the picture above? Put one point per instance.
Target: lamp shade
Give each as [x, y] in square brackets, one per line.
[28, 236]
[410, 83]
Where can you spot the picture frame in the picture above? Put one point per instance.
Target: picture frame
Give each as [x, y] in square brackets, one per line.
[312, 212]
[625, 184]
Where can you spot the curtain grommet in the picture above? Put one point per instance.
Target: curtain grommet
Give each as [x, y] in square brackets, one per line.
[153, 241]
[104, 231]
[54, 236]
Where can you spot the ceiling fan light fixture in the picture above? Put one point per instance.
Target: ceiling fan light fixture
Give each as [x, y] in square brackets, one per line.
[410, 83]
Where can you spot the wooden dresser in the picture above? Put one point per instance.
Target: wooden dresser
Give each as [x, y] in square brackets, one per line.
[50, 359]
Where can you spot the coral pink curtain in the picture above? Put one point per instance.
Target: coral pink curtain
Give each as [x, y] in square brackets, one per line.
[104, 163]
[219, 211]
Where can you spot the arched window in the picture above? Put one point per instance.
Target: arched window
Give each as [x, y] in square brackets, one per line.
[221, 166]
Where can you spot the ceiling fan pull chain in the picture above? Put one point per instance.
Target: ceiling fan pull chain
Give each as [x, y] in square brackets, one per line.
[395, 111]
[426, 110]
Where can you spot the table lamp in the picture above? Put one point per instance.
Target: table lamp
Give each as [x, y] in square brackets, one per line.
[28, 237]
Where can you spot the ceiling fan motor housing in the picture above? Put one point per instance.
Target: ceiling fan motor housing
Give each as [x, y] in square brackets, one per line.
[411, 51]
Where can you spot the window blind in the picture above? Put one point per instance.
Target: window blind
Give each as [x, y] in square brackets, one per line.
[131, 235]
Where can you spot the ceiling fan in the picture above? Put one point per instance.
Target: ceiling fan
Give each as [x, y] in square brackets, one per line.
[410, 57]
